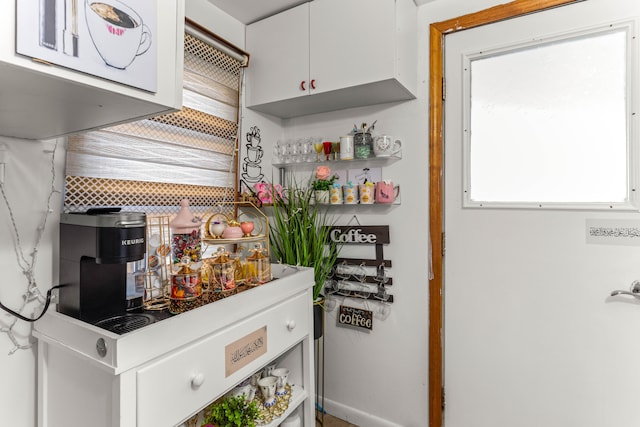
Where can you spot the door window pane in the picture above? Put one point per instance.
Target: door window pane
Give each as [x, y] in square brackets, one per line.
[548, 123]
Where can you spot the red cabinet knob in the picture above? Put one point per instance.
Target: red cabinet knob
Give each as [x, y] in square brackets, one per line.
[313, 84]
[302, 85]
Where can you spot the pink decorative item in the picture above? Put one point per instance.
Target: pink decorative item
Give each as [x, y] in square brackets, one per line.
[265, 191]
[323, 172]
[386, 192]
[247, 228]
[232, 232]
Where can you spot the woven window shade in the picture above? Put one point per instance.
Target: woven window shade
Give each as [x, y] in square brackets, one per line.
[152, 164]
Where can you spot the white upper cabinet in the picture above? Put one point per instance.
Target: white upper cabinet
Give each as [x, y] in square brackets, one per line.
[279, 62]
[332, 54]
[40, 100]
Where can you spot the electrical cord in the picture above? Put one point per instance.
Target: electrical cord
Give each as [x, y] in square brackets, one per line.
[44, 310]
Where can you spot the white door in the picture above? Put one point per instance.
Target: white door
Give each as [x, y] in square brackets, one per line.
[532, 337]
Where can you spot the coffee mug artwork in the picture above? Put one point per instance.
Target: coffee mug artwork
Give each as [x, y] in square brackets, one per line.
[117, 32]
[111, 39]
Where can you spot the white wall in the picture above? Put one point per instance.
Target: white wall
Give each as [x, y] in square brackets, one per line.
[219, 22]
[27, 184]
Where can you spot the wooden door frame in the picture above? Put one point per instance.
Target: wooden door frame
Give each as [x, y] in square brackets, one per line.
[436, 174]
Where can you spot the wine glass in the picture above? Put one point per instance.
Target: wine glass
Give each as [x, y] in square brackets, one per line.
[318, 146]
[335, 149]
[327, 146]
[307, 149]
[278, 151]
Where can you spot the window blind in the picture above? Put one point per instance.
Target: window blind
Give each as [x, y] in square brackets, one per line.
[152, 164]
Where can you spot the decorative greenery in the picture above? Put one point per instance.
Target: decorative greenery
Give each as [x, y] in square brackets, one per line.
[232, 411]
[299, 234]
[322, 184]
[324, 180]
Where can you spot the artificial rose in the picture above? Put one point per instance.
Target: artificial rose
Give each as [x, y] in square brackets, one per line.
[265, 191]
[323, 172]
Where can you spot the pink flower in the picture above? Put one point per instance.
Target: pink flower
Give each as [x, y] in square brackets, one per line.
[323, 172]
[265, 191]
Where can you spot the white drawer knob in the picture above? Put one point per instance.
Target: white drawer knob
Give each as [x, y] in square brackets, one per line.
[197, 380]
[291, 325]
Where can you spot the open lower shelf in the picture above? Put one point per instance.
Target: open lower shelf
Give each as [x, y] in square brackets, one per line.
[298, 395]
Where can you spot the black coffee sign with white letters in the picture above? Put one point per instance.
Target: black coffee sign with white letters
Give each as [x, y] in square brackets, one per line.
[355, 317]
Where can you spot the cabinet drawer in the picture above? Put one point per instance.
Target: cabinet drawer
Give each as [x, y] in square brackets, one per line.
[186, 380]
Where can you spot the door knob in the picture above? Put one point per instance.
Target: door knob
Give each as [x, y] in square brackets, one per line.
[635, 290]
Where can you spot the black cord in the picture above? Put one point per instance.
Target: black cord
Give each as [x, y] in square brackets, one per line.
[44, 310]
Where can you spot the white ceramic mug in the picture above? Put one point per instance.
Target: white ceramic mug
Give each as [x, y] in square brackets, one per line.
[282, 374]
[117, 31]
[335, 195]
[385, 146]
[346, 147]
[350, 194]
[266, 372]
[366, 194]
[268, 389]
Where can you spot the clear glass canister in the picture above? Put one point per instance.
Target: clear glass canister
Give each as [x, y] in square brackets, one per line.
[362, 145]
[186, 290]
[258, 267]
[185, 237]
[222, 272]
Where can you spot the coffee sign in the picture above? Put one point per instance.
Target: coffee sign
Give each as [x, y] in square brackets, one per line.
[360, 234]
[355, 317]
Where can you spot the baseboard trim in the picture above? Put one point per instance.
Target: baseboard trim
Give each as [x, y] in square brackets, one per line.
[355, 416]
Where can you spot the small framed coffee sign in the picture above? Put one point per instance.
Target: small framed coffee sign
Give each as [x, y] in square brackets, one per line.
[112, 39]
[355, 317]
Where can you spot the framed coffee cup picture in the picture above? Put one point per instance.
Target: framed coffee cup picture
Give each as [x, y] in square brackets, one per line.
[111, 39]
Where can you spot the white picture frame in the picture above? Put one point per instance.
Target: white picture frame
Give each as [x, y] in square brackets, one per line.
[111, 39]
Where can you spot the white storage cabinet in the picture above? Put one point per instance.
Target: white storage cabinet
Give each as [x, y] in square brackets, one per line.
[163, 373]
[332, 54]
[41, 101]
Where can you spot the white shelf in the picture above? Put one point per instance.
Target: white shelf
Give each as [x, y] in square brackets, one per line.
[221, 241]
[341, 164]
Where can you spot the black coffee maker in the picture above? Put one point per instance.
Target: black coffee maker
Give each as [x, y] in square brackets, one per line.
[101, 253]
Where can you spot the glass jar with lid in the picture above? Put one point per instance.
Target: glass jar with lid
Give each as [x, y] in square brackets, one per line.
[362, 145]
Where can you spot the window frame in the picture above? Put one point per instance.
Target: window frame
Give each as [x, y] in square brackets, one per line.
[631, 201]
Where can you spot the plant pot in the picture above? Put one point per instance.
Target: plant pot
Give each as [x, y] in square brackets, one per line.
[322, 197]
[318, 318]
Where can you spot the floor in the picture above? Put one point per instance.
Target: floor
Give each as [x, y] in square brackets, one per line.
[330, 421]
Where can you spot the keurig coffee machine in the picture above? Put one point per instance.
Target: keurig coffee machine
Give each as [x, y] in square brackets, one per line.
[101, 255]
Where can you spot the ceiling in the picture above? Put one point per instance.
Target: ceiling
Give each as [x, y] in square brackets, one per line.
[248, 11]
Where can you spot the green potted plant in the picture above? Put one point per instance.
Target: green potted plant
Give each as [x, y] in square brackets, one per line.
[232, 411]
[322, 184]
[299, 235]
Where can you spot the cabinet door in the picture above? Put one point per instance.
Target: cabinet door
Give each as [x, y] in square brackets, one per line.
[351, 43]
[279, 64]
